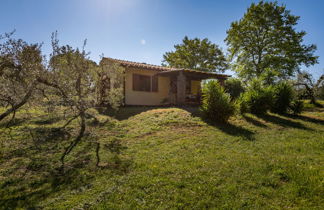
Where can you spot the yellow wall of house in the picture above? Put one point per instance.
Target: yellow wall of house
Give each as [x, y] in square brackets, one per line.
[145, 98]
[195, 87]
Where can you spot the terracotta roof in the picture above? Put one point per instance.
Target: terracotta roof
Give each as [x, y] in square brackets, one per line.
[198, 73]
[163, 69]
[141, 65]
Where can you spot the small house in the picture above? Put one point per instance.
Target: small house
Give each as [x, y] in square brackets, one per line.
[147, 84]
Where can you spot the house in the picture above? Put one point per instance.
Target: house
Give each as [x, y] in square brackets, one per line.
[147, 84]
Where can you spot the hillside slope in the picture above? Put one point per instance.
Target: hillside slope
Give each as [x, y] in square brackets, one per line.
[171, 159]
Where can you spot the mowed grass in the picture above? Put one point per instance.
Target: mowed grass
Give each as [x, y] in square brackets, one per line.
[173, 159]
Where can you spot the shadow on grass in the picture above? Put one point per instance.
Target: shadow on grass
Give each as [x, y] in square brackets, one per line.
[194, 111]
[234, 130]
[305, 118]
[253, 121]
[45, 134]
[227, 128]
[125, 112]
[27, 193]
[22, 193]
[283, 122]
[47, 121]
[39, 138]
[14, 122]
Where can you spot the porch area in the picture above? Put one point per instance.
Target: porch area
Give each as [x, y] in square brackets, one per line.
[185, 85]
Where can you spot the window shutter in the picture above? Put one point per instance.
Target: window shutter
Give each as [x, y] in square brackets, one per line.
[155, 83]
[145, 83]
[136, 82]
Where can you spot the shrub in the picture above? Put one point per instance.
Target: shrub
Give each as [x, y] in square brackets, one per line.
[320, 92]
[297, 106]
[216, 103]
[257, 99]
[234, 87]
[283, 95]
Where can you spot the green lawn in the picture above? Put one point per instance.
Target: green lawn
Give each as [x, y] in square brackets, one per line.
[173, 160]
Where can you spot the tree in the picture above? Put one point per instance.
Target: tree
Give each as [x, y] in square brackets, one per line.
[110, 84]
[74, 80]
[306, 80]
[320, 92]
[196, 54]
[68, 81]
[265, 43]
[21, 66]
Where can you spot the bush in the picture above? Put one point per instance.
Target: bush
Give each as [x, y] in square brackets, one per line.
[320, 92]
[234, 87]
[216, 103]
[297, 106]
[283, 95]
[257, 99]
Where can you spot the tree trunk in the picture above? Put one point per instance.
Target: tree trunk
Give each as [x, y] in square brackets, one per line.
[310, 93]
[97, 154]
[76, 140]
[20, 104]
[313, 100]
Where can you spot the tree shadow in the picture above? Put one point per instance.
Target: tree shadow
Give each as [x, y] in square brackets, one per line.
[282, 122]
[47, 121]
[14, 122]
[26, 200]
[125, 112]
[46, 134]
[227, 128]
[22, 193]
[253, 121]
[234, 130]
[27, 193]
[305, 118]
[194, 111]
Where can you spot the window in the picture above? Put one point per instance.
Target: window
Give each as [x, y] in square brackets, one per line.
[145, 83]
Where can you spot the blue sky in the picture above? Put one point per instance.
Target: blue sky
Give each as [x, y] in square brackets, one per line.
[142, 30]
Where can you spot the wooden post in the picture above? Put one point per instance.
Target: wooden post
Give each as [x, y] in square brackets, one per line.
[181, 88]
[221, 82]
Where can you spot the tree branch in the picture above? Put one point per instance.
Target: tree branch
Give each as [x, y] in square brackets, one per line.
[21, 103]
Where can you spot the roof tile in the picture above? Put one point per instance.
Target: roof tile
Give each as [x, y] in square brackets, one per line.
[141, 65]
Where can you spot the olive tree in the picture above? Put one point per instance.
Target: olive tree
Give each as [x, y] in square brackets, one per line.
[305, 80]
[21, 66]
[75, 80]
[69, 80]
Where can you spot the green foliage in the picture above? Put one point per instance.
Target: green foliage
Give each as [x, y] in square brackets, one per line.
[196, 54]
[320, 92]
[283, 96]
[234, 87]
[309, 87]
[216, 103]
[296, 106]
[110, 78]
[257, 99]
[265, 42]
[21, 65]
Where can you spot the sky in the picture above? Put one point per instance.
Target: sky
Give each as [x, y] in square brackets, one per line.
[143, 30]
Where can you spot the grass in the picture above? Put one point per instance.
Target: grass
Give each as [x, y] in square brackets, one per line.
[173, 160]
